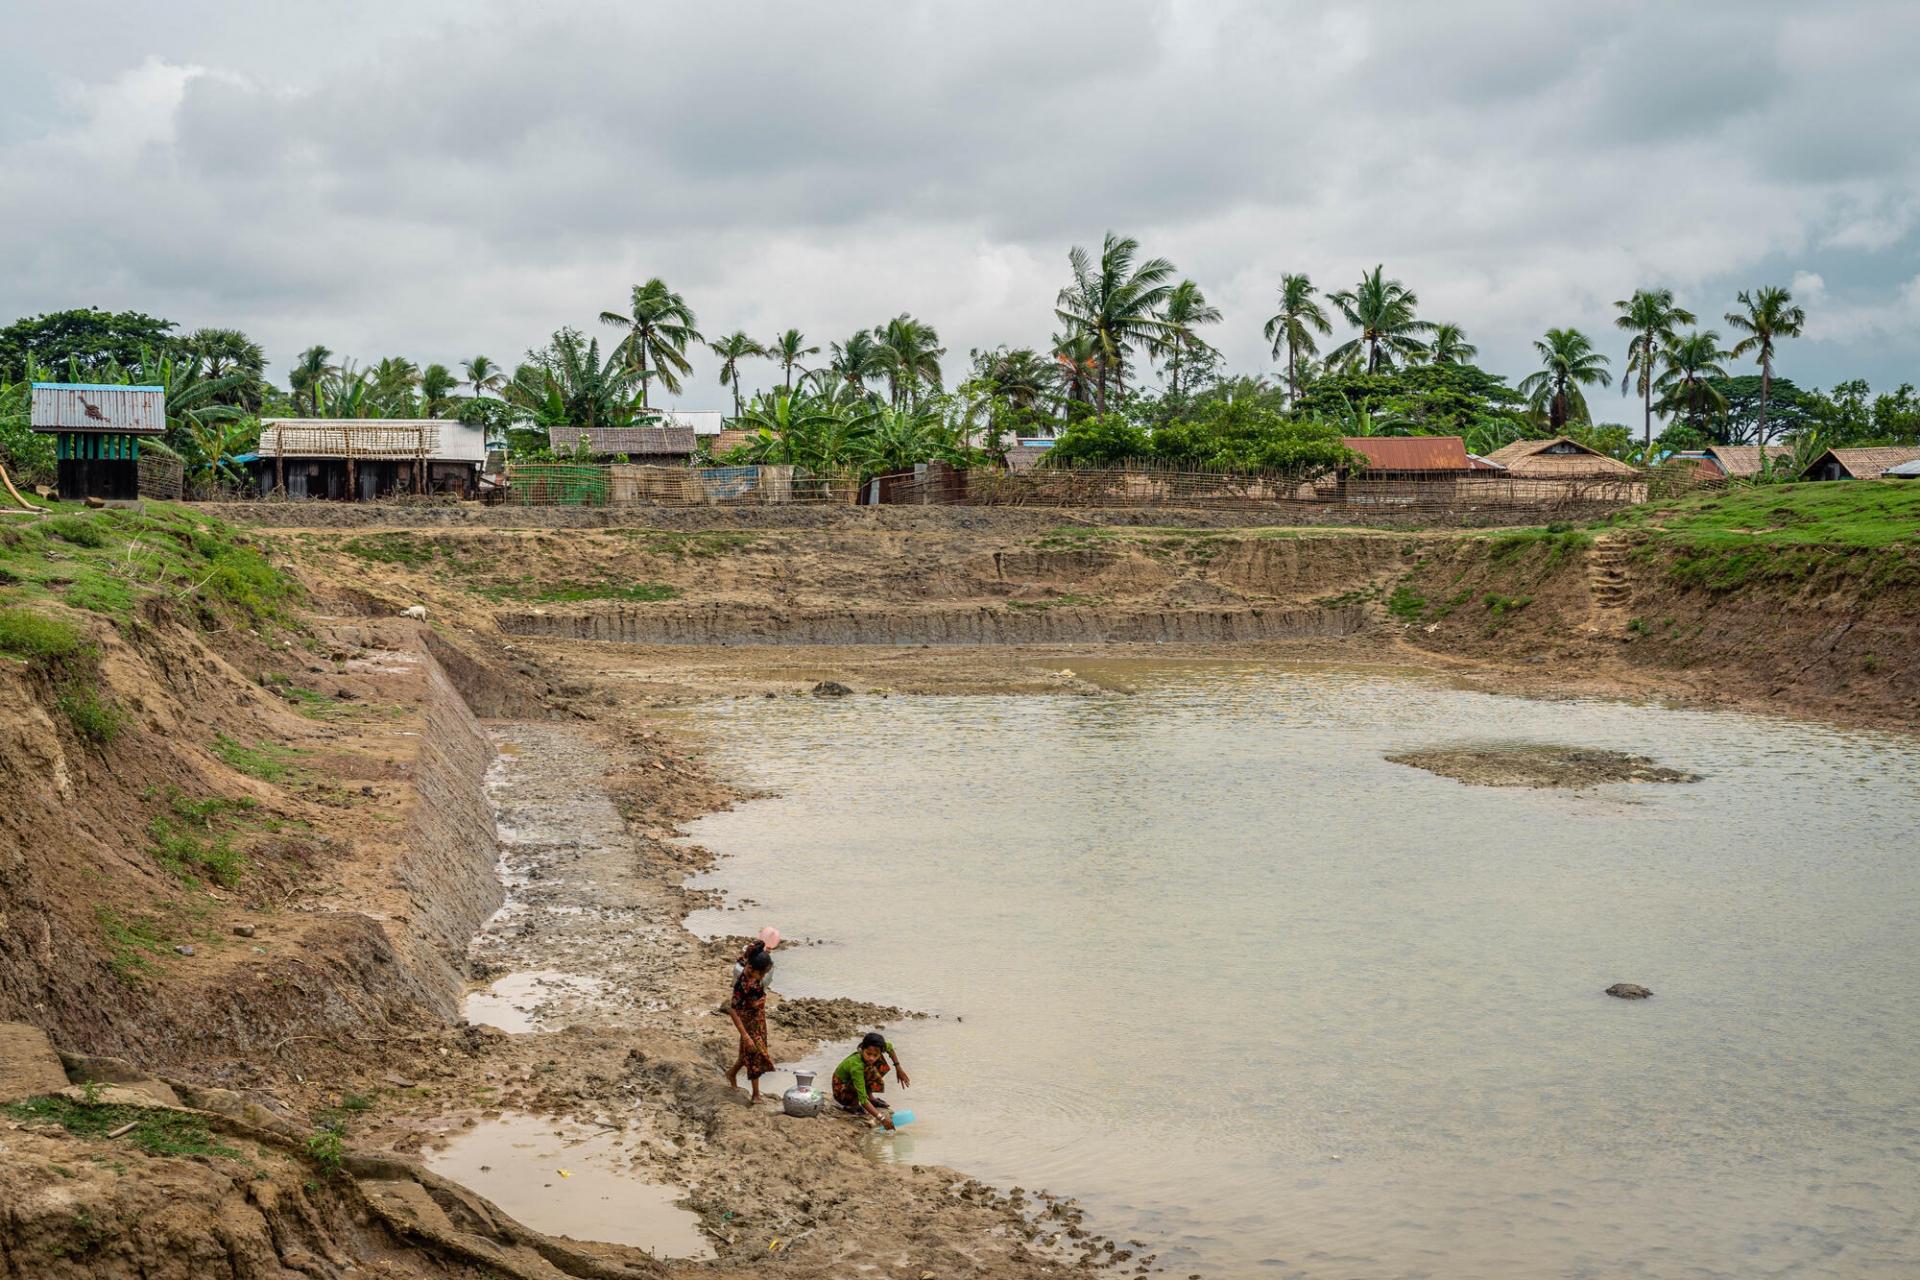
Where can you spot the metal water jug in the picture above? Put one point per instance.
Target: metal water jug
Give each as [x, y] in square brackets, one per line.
[801, 1100]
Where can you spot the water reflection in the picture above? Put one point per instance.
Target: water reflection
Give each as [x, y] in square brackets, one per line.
[1287, 1008]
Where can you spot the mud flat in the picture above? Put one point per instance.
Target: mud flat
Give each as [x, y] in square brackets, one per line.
[1529, 764]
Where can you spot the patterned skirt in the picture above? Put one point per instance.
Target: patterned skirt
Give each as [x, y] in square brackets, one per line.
[758, 1063]
[876, 1083]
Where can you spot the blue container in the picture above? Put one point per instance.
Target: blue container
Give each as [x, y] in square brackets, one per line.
[901, 1119]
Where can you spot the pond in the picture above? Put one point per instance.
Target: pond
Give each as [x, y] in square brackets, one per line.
[1204, 959]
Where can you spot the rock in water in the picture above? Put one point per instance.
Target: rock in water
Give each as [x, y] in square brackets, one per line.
[831, 689]
[1628, 991]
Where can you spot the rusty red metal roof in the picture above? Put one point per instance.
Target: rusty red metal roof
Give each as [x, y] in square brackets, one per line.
[1412, 453]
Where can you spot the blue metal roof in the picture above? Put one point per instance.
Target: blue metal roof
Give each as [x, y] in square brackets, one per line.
[94, 386]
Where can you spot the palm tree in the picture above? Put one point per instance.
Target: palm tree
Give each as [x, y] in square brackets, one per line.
[1569, 363]
[1651, 316]
[1076, 360]
[908, 351]
[1184, 311]
[796, 429]
[659, 327]
[314, 367]
[1383, 311]
[568, 384]
[732, 349]
[436, 390]
[1692, 366]
[1450, 346]
[484, 377]
[789, 348]
[225, 351]
[394, 379]
[1293, 327]
[1769, 315]
[857, 360]
[1115, 301]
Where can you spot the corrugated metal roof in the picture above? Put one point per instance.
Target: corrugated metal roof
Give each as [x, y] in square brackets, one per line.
[1905, 470]
[1412, 453]
[705, 422]
[634, 442]
[438, 439]
[91, 406]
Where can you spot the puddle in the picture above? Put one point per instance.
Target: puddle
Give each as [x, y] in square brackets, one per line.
[517, 1162]
[517, 1001]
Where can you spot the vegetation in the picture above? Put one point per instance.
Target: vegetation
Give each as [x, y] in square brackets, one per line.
[573, 592]
[156, 1131]
[266, 762]
[879, 399]
[1883, 515]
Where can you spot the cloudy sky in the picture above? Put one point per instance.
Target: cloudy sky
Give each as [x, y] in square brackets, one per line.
[437, 179]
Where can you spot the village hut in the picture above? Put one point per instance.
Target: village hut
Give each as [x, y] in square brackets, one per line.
[1558, 459]
[361, 459]
[1422, 456]
[98, 429]
[1742, 461]
[1868, 463]
[653, 446]
[1905, 471]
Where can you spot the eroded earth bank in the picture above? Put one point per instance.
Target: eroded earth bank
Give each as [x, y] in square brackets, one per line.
[262, 841]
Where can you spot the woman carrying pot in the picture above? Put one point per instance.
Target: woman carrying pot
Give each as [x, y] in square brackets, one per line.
[858, 1080]
[748, 1009]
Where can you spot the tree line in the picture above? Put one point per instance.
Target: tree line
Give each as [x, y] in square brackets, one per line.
[1129, 370]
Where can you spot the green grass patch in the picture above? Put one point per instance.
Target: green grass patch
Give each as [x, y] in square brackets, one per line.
[1500, 606]
[38, 638]
[99, 720]
[81, 531]
[681, 546]
[575, 592]
[156, 1132]
[403, 549]
[264, 761]
[1553, 544]
[131, 944]
[1406, 604]
[1840, 513]
[187, 853]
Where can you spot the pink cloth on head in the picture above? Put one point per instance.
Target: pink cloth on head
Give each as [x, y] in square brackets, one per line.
[770, 936]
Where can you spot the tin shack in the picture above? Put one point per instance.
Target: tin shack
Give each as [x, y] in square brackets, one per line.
[361, 459]
[99, 427]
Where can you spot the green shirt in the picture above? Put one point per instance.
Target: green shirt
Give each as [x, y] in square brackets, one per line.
[852, 1072]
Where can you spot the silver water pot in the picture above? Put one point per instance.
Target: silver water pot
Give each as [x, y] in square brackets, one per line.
[801, 1100]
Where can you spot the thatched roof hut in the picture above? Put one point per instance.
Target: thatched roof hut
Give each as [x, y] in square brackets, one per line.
[1859, 464]
[1558, 459]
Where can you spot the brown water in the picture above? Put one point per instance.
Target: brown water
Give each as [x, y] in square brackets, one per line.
[1280, 1008]
[569, 1180]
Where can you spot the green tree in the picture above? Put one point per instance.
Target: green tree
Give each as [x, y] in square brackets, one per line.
[226, 351]
[1652, 317]
[1293, 327]
[310, 372]
[567, 383]
[484, 377]
[437, 384]
[1117, 302]
[732, 349]
[1450, 346]
[788, 350]
[1423, 399]
[908, 352]
[1690, 368]
[393, 381]
[857, 361]
[1383, 311]
[82, 342]
[1789, 409]
[1181, 317]
[1076, 369]
[1767, 316]
[793, 428]
[1100, 440]
[660, 326]
[1896, 414]
[1568, 364]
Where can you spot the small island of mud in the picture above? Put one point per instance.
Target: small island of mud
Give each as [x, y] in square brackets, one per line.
[1539, 765]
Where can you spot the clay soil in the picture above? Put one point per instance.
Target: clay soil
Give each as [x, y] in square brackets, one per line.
[1535, 765]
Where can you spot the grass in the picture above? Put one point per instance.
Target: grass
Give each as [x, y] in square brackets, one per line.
[156, 1132]
[1056, 602]
[683, 546]
[1843, 513]
[130, 943]
[39, 639]
[1500, 606]
[265, 761]
[392, 548]
[186, 853]
[108, 562]
[574, 592]
[1406, 604]
[99, 720]
[1555, 544]
[310, 703]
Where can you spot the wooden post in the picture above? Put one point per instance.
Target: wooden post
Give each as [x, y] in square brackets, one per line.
[279, 462]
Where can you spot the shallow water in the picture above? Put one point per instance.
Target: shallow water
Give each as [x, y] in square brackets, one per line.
[517, 1002]
[567, 1180]
[1278, 1007]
